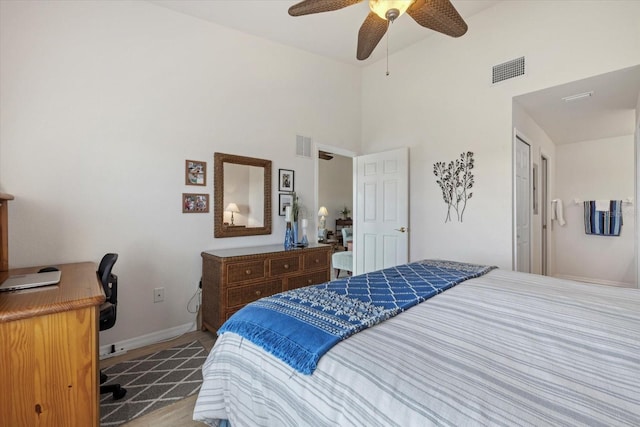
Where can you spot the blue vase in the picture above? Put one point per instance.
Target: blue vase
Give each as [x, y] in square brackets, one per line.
[294, 227]
[288, 237]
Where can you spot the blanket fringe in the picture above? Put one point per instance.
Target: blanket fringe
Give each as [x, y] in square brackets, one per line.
[278, 345]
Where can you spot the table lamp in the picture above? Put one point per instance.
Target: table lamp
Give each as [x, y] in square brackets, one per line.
[322, 212]
[232, 207]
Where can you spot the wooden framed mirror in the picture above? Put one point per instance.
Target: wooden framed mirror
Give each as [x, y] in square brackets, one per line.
[241, 196]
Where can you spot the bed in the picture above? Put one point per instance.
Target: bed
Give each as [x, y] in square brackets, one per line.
[502, 349]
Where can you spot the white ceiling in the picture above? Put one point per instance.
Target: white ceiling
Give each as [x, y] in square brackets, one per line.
[331, 34]
[609, 112]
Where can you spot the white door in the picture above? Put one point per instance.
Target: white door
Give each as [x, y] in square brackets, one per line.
[381, 237]
[523, 206]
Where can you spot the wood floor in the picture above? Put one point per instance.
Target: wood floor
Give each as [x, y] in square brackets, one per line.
[176, 414]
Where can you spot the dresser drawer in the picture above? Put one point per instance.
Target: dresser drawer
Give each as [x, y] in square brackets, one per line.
[307, 280]
[315, 260]
[246, 270]
[240, 295]
[280, 266]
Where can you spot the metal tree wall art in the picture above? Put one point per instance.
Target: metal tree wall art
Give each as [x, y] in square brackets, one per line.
[455, 181]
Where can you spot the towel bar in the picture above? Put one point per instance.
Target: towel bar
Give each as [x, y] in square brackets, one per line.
[628, 200]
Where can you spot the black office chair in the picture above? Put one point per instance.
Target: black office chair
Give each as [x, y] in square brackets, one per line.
[108, 314]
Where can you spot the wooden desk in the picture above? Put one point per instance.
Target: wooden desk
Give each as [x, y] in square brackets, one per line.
[4, 231]
[49, 364]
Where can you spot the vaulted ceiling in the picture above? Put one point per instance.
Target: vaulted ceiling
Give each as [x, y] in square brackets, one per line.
[607, 113]
[331, 34]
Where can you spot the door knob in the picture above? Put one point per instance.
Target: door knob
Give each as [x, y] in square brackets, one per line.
[401, 229]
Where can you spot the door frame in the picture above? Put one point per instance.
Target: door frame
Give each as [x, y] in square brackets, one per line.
[316, 182]
[544, 213]
[353, 155]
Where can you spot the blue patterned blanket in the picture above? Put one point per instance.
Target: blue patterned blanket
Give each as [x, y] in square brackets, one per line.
[300, 325]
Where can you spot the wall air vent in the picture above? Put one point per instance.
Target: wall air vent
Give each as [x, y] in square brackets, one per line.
[508, 70]
[303, 146]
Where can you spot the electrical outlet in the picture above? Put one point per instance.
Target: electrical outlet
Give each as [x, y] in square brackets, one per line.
[158, 295]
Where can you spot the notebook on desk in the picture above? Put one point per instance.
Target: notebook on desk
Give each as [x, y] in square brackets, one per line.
[31, 280]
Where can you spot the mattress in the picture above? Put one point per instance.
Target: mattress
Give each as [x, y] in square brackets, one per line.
[506, 349]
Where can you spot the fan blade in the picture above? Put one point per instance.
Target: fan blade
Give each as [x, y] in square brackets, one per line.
[308, 7]
[372, 30]
[438, 15]
[324, 155]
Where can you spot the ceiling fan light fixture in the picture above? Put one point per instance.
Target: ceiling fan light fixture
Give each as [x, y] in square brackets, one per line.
[436, 15]
[384, 7]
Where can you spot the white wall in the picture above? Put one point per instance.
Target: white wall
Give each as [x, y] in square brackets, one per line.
[101, 102]
[438, 101]
[335, 187]
[592, 170]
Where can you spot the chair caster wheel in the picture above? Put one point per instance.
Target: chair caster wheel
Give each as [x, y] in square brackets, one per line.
[119, 393]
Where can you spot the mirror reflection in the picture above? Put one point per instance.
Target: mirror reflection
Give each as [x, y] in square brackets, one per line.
[242, 196]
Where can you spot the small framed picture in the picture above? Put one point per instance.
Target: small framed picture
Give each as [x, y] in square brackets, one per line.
[285, 200]
[285, 180]
[195, 203]
[195, 173]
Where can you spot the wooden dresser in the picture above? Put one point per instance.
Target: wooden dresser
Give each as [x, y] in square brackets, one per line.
[232, 278]
[49, 350]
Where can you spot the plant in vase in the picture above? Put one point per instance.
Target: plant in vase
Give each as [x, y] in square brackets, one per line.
[295, 209]
[345, 212]
[298, 213]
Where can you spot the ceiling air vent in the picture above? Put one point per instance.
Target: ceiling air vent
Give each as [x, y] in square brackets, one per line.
[508, 70]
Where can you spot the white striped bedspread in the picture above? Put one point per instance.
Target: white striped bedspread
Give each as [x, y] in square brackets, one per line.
[505, 349]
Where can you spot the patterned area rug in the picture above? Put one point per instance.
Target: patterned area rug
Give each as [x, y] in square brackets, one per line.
[152, 381]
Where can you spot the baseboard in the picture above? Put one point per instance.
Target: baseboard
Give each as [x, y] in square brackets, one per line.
[121, 347]
[596, 281]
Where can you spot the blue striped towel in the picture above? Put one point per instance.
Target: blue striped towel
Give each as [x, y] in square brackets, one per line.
[603, 223]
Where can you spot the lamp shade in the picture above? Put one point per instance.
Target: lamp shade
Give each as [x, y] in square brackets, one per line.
[323, 211]
[232, 207]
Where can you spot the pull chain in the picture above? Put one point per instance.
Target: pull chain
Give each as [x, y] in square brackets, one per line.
[387, 48]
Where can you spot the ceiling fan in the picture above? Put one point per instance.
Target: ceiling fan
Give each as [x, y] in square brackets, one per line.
[438, 15]
[325, 155]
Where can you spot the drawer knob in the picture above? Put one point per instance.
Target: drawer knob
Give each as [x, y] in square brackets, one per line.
[286, 266]
[258, 293]
[248, 271]
[317, 261]
[309, 281]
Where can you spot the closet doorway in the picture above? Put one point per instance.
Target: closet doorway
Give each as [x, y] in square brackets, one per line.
[583, 135]
[544, 213]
